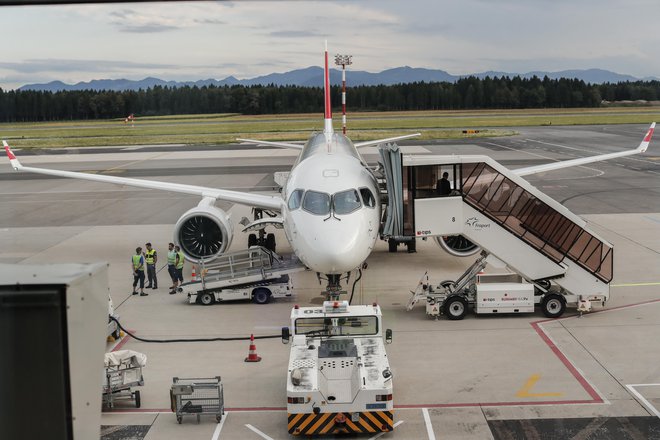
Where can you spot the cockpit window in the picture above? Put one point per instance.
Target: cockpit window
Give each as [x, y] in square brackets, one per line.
[367, 197]
[317, 203]
[346, 202]
[295, 198]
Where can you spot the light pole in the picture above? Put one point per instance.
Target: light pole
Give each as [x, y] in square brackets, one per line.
[343, 61]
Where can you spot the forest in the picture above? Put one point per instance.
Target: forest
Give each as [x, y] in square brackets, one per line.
[469, 93]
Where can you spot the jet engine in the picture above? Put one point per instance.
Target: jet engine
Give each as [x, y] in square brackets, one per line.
[204, 232]
[457, 245]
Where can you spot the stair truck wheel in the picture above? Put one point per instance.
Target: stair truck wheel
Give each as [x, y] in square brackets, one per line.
[206, 298]
[138, 402]
[455, 308]
[261, 295]
[553, 305]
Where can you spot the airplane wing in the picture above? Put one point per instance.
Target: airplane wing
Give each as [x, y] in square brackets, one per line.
[249, 199]
[382, 141]
[585, 160]
[274, 144]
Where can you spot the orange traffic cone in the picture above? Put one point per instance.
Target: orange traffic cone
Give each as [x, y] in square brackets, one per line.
[252, 353]
[193, 274]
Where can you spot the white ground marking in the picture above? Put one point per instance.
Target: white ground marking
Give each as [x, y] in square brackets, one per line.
[380, 434]
[641, 398]
[218, 429]
[259, 433]
[427, 421]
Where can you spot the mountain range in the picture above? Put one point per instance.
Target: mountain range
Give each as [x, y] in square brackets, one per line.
[313, 77]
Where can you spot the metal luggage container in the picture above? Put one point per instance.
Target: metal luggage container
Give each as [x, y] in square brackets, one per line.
[197, 396]
[123, 370]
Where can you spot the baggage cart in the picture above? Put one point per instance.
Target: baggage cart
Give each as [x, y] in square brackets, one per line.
[197, 396]
[123, 370]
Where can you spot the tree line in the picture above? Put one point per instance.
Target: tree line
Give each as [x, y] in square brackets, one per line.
[466, 94]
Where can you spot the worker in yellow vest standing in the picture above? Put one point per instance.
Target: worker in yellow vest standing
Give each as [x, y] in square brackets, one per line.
[171, 266]
[137, 266]
[151, 258]
[179, 268]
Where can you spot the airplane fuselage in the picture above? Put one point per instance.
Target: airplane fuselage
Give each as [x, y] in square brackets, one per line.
[332, 206]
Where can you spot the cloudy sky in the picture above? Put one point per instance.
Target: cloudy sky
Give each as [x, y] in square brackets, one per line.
[199, 40]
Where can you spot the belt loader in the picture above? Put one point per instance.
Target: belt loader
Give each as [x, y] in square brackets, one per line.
[339, 379]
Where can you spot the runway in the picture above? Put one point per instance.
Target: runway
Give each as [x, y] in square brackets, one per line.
[499, 377]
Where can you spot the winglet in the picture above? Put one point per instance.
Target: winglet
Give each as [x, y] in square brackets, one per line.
[327, 128]
[647, 139]
[12, 158]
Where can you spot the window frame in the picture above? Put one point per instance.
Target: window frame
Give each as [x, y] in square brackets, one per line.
[333, 198]
[302, 205]
[373, 198]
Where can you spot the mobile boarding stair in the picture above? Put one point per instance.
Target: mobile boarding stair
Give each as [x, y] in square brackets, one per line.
[253, 266]
[528, 232]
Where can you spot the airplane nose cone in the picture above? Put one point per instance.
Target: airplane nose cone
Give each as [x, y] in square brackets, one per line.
[341, 247]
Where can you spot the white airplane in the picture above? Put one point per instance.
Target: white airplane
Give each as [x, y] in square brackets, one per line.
[330, 206]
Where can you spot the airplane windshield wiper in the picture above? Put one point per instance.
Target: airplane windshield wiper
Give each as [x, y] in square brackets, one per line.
[332, 210]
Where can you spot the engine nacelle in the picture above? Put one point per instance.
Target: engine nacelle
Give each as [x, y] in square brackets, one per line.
[204, 232]
[457, 245]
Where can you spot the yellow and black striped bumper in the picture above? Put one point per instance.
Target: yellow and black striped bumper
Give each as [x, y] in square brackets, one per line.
[337, 423]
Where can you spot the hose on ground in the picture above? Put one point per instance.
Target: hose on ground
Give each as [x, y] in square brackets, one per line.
[168, 341]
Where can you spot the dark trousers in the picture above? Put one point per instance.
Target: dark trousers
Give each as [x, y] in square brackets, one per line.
[151, 273]
[138, 275]
[171, 269]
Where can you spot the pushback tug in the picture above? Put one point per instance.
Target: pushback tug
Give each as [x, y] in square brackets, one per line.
[339, 379]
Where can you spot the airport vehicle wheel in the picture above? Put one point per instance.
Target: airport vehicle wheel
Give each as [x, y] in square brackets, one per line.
[138, 402]
[553, 305]
[178, 419]
[455, 308]
[261, 295]
[270, 242]
[218, 418]
[252, 240]
[392, 244]
[206, 299]
[116, 334]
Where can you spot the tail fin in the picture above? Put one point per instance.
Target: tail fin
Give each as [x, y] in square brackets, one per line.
[327, 128]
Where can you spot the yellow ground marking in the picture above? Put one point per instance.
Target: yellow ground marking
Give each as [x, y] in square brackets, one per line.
[635, 284]
[525, 390]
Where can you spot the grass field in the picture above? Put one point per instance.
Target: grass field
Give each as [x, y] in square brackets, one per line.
[225, 128]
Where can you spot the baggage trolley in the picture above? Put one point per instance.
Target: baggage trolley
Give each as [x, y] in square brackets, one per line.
[197, 396]
[118, 382]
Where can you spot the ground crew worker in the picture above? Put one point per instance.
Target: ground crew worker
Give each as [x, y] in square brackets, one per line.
[179, 267]
[171, 264]
[151, 258]
[137, 266]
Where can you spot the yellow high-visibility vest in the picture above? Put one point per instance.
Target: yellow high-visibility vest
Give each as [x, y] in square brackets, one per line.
[181, 259]
[150, 256]
[137, 262]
